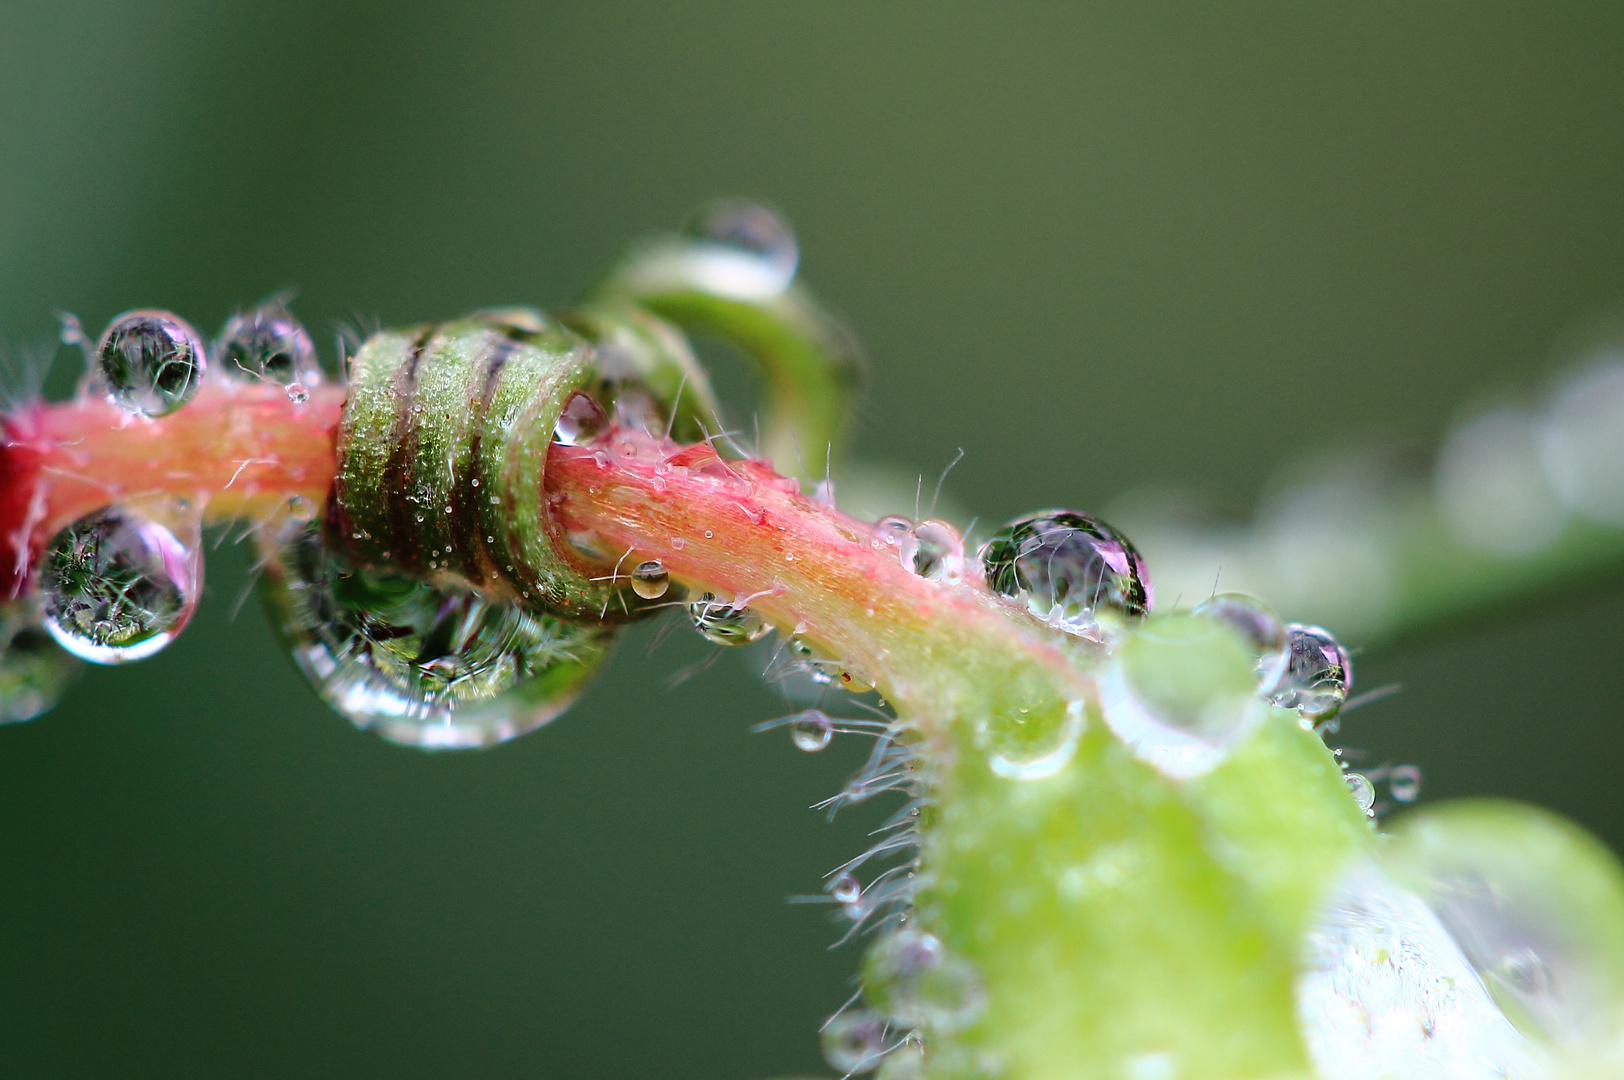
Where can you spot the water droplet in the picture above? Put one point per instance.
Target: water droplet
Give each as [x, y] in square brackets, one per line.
[845, 889]
[116, 586]
[938, 552]
[419, 665]
[301, 509]
[297, 393]
[896, 533]
[34, 669]
[854, 680]
[1317, 676]
[1363, 791]
[1069, 569]
[1404, 783]
[759, 240]
[581, 421]
[723, 623]
[269, 344]
[811, 731]
[854, 1041]
[1536, 906]
[912, 978]
[650, 579]
[1180, 693]
[149, 362]
[1032, 741]
[1258, 627]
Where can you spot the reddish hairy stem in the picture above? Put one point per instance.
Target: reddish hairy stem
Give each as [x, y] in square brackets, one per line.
[736, 528]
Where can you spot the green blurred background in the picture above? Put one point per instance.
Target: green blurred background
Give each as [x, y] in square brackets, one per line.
[1097, 248]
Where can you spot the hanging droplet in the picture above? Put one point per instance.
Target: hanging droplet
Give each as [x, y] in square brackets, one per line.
[938, 552]
[297, 393]
[1032, 740]
[650, 579]
[1180, 694]
[854, 680]
[1258, 627]
[269, 345]
[1534, 904]
[854, 1041]
[758, 239]
[34, 669]
[581, 420]
[723, 623]
[416, 664]
[845, 888]
[1069, 569]
[1318, 673]
[1404, 783]
[301, 509]
[149, 362]
[115, 586]
[811, 731]
[1362, 790]
[912, 978]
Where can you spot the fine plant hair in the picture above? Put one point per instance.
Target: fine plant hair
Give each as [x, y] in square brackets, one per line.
[1116, 842]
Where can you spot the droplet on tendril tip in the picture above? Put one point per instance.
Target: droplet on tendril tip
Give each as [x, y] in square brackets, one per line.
[1318, 674]
[722, 623]
[269, 345]
[811, 731]
[149, 362]
[419, 665]
[1069, 569]
[650, 579]
[581, 421]
[761, 242]
[115, 586]
[854, 1041]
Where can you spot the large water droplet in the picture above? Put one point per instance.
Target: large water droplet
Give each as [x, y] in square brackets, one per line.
[1383, 990]
[34, 670]
[581, 420]
[1318, 673]
[115, 586]
[1536, 906]
[419, 665]
[149, 362]
[912, 978]
[760, 240]
[1180, 693]
[1070, 569]
[268, 345]
[854, 1041]
[1033, 741]
[811, 731]
[650, 579]
[724, 624]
